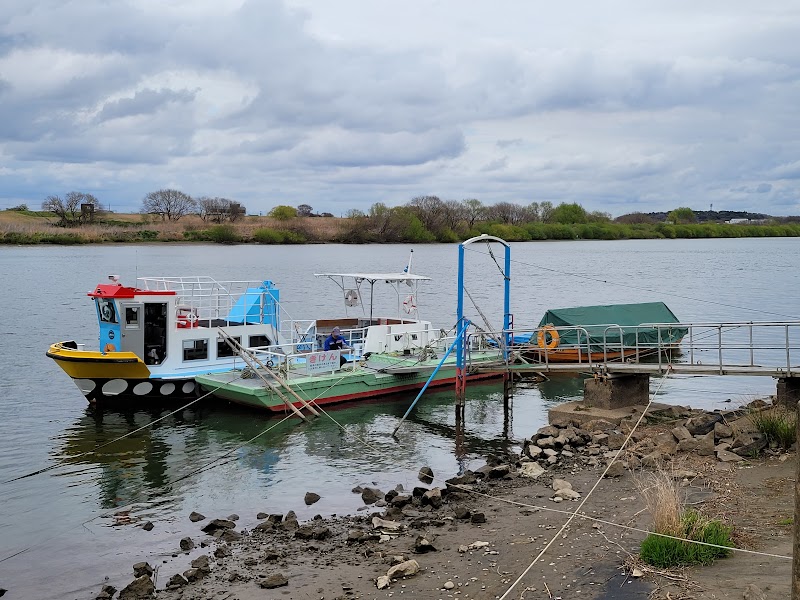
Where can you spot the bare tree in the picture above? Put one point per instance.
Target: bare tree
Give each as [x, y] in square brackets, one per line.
[454, 214]
[70, 210]
[170, 204]
[304, 210]
[430, 210]
[474, 210]
[507, 212]
[219, 210]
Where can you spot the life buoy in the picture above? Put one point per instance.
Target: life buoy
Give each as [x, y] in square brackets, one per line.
[409, 305]
[541, 338]
[188, 320]
[109, 348]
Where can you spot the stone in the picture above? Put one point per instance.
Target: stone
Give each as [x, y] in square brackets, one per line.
[141, 588]
[702, 423]
[551, 460]
[304, 533]
[202, 563]
[666, 444]
[567, 494]
[689, 445]
[176, 581]
[705, 446]
[371, 495]
[467, 478]
[194, 517]
[531, 470]
[142, 568]
[725, 456]
[289, 524]
[478, 518]
[401, 500]
[433, 497]
[382, 582]
[187, 544]
[616, 469]
[532, 451]
[749, 444]
[193, 575]
[681, 433]
[549, 452]
[548, 431]
[148, 526]
[721, 430]
[499, 471]
[311, 498]
[276, 518]
[425, 475]
[600, 438]
[216, 524]
[228, 536]
[753, 592]
[274, 581]
[654, 459]
[404, 569]
[222, 551]
[449, 585]
[461, 513]
[261, 516]
[615, 440]
[233, 517]
[424, 543]
[561, 484]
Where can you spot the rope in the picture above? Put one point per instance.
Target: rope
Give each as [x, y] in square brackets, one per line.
[122, 437]
[573, 514]
[499, 268]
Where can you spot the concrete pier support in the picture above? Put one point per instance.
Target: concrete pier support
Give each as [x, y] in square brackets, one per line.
[616, 391]
[788, 392]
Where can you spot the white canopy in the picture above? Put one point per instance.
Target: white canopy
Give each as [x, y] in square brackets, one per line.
[372, 277]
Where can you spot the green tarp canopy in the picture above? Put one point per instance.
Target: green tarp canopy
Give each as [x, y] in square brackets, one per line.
[595, 320]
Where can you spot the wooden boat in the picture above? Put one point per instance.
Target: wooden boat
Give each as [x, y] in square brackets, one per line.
[611, 332]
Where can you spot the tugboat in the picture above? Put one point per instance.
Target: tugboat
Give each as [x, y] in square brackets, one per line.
[155, 338]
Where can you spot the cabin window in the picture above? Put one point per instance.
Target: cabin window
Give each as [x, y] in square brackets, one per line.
[224, 350]
[106, 310]
[131, 316]
[257, 341]
[195, 349]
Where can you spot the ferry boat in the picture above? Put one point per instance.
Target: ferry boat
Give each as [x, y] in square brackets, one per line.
[154, 338]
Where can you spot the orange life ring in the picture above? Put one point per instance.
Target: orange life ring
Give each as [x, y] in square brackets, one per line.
[109, 348]
[541, 339]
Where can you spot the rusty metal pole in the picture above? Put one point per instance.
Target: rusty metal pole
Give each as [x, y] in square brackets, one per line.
[796, 541]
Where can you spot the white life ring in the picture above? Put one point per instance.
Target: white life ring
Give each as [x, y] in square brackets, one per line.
[409, 304]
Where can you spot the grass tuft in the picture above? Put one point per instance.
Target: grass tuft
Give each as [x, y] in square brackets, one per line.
[777, 424]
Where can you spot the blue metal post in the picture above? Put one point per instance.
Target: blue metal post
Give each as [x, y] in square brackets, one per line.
[456, 342]
[459, 321]
[507, 303]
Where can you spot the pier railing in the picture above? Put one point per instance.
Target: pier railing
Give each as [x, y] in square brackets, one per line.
[744, 347]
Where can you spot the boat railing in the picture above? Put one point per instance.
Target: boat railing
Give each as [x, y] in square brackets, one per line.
[740, 344]
[206, 299]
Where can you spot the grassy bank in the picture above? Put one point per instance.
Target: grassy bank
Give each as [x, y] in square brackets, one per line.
[32, 227]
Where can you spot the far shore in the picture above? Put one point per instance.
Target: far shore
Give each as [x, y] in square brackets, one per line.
[36, 227]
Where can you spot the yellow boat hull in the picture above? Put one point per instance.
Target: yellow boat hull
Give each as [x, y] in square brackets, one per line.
[90, 364]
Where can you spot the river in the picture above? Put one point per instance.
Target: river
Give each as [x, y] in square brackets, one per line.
[59, 536]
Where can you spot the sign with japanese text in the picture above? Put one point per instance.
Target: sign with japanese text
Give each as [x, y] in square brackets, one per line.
[322, 362]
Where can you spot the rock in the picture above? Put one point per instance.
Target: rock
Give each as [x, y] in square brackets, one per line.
[654, 459]
[547, 442]
[567, 494]
[382, 582]
[141, 588]
[187, 544]
[532, 451]
[371, 495]
[424, 544]
[749, 444]
[222, 551]
[304, 533]
[264, 526]
[233, 517]
[616, 469]
[705, 446]
[404, 569]
[467, 478]
[261, 516]
[477, 518]
[703, 423]
[531, 470]
[228, 536]
[461, 513]
[425, 475]
[311, 498]
[379, 523]
[176, 581]
[689, 445]
[548, 431]
[721, 430]
[598, 425]
[725, 456]
[401, 500]
[499, 472]
[753, 592]
[193, 575]
[289, 524]
[274, 581]
[148, 526]
[142, 568]
[433, 497]
[275, 518]
[600, 438]
[615, 440]
[202, 563]
[418, 491]
[666, 444]
[216, 524]
[681, 433]
[449, 585]
[561, 484]
[108, 589]
[194, 517]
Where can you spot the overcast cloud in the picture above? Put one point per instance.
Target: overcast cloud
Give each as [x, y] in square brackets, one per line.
[620, 105]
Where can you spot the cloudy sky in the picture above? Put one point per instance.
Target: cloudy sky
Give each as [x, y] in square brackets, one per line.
[620, 105]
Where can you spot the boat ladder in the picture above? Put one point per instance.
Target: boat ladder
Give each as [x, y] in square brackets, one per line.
[281, 387]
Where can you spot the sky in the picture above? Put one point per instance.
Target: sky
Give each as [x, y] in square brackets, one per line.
[620, 105]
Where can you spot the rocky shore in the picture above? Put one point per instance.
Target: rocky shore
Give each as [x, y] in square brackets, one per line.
[473, 535]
